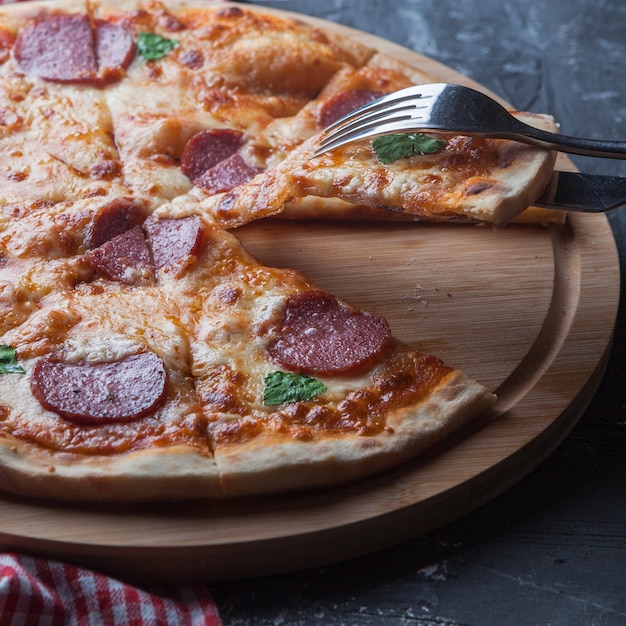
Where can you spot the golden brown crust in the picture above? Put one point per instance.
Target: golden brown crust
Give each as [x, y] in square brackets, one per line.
[173, 473]
[270, 463]
[264, 464]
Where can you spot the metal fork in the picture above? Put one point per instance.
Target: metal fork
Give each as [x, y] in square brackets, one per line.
[445, 107]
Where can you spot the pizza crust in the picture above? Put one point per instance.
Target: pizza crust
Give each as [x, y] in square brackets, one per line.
[268, 464]
[175, 473]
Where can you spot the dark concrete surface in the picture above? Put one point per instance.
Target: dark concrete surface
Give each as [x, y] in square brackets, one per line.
[552, 549]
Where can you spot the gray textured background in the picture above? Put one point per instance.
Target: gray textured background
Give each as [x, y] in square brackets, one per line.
[551, 550]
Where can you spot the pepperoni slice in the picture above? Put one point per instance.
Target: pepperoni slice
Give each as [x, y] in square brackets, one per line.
[59, 48]
[124, 259]
[115, 50]
[100, 393]
[345, 103]
[207, 148]
[174, 241]
[72, 49]
[319, 335]
[226, 175]
[113, 219]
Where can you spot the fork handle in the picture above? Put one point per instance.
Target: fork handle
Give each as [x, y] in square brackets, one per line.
[571, 145]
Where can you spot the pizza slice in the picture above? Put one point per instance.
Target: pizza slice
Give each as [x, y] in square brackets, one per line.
[299, 388]
[102, 407]
[466, 179]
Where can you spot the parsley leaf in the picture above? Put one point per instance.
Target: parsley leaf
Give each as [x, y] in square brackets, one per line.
[151, 46]
[283, 387]
[8, 361]
[390, 148]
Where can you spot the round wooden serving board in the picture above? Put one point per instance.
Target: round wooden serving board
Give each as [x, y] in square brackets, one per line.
[526, 310]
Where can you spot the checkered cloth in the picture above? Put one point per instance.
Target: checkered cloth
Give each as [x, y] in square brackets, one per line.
[40, 592]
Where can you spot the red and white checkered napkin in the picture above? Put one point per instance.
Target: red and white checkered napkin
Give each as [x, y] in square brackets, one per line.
[36, 591]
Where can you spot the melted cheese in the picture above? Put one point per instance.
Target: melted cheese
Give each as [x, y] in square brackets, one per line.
[231, 300]
[58, 144]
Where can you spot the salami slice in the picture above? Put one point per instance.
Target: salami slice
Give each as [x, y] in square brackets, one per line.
[114, 48]
[174, 241]
[345, 103]
[226, 175]
[100, 393]
[317, 334]
[124, 259]
[113, 219]
[71, 49]
[59, 48]
[207, 148]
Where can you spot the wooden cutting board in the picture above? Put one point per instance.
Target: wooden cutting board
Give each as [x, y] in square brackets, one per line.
[526, 310]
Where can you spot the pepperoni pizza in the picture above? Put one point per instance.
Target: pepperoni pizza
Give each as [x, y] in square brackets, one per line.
[144, 354]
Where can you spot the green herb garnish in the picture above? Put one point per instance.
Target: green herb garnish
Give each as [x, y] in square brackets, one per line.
[8, 361]
[151, 46]
[390, 148]
[282, 387]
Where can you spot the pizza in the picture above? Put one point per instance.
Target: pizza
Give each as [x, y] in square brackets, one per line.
[144, 353]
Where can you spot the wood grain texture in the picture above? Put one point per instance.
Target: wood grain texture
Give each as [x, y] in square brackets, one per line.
[527, 311]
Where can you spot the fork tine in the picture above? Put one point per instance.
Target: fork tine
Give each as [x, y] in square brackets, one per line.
[370, 107]
[378, 115]
[381, 104]
[359, 130]
[390, 127]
